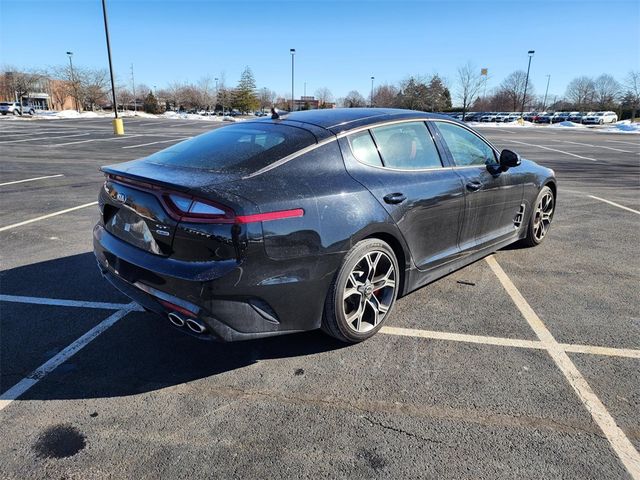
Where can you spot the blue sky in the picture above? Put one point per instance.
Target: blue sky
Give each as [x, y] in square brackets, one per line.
[339, 44]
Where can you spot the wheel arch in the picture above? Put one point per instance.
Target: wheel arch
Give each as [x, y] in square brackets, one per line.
[399, 249]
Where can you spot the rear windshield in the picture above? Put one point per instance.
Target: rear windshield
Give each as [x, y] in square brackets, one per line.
[239, 148]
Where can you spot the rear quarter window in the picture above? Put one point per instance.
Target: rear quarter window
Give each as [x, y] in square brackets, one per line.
[240, 148]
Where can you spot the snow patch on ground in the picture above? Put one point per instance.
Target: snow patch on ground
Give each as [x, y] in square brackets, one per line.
[624, 126]
[566, 124]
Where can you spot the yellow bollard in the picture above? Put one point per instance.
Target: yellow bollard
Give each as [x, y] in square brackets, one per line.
[118, 126]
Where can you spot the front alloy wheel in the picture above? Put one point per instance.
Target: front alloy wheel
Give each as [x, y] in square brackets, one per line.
[362, 294]
[541, 218]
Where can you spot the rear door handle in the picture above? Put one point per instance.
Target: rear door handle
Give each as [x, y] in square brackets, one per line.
[394, 198]
[474, 186]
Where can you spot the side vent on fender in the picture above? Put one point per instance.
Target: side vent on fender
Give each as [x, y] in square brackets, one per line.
[517, 220]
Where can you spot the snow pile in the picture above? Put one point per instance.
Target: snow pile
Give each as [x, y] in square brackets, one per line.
[624, 126]
[74, 114]
[569, 124]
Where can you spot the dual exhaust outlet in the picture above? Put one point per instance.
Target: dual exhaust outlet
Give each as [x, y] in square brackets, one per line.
[193, 324]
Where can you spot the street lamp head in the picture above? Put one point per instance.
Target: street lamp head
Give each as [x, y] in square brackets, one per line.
[372, 78]
[69, 53]
[216, 79]
[292, 50]
[531, 52]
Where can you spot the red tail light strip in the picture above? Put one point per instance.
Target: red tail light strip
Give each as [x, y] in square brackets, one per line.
[265, 217]
[179, 215]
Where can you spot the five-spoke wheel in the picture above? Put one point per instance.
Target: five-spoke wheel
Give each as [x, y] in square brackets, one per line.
[363, 292]
[541, 217]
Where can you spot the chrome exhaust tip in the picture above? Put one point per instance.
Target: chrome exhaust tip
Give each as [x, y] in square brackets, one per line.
[176, 319]
[196, 325]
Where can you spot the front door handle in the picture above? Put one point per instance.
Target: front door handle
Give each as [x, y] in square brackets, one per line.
[394, 198]
[474, 186]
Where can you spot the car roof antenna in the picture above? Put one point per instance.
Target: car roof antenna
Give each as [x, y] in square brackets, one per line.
[274, 114]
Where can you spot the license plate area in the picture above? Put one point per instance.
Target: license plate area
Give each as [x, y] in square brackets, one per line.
[127, 225]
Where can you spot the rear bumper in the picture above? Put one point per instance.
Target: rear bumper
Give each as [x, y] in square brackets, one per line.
[234, 302]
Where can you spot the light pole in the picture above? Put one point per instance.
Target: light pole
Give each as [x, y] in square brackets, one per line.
[214, 107]
[544, 103]
[73, 82]
[526, 82]
[293, 53]
[118, 127]
[371, 96]
[133, 83]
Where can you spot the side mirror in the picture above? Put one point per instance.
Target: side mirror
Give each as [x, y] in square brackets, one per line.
[509, 159]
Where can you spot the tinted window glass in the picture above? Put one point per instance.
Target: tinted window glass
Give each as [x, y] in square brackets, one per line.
[465, 147]
[407, 146]
[364, 149]
[236, 148]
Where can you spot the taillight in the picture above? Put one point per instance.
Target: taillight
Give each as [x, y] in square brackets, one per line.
[191, 209]
[182, 207]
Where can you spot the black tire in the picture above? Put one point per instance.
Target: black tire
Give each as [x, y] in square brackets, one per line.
[334, 320]
[534, 236]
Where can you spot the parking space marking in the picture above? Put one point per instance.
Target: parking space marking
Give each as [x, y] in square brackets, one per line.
[58, 302]
[597, 146]
[627, 143]
[43, 217]
[31, 179]
[623, 447]
[554, 150]
[614, 204]
[39, 373]
[154, 143]
[45, 138]
[97, 140]
[509, 342]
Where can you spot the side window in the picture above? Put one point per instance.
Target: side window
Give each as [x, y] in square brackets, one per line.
[364, 149]
[466, 148]
[407, 146]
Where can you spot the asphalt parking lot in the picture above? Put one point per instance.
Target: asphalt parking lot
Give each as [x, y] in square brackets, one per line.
[522, 365]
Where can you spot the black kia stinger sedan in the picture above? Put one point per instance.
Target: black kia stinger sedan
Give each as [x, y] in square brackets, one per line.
[315, 219]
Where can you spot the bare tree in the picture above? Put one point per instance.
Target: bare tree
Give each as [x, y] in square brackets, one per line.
[470, 82]
[581, 92]
[324, 97]
[607, 91]
[19, 83]
[354, 99]
[386, 95]
[512, 88]
[266, 98]
[632, 92]
[93, 86]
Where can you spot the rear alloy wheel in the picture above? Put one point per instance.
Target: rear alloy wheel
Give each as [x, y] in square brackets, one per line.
[363, 293]
[541, 218]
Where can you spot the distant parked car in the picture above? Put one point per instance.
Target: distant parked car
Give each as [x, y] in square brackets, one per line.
[489, 117]
[502, 116]
[543, 118]
[512, 117]
[529, 116]
[575, 117]
[560, 117]
[16, 109]
[472, 116]
[600, 118]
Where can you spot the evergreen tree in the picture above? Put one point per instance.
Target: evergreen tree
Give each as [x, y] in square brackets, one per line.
[245, 95]
[151, 103]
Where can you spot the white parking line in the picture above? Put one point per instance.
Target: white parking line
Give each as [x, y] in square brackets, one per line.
[554, 150]
[637, 144]
[39, 373]
[509, 342]
[154, 143]
[614, 204]
[57, 302]
[616, 437]
[45, 138]
[597, 146]
[43, 217]
[30, 179]
[96, 140]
